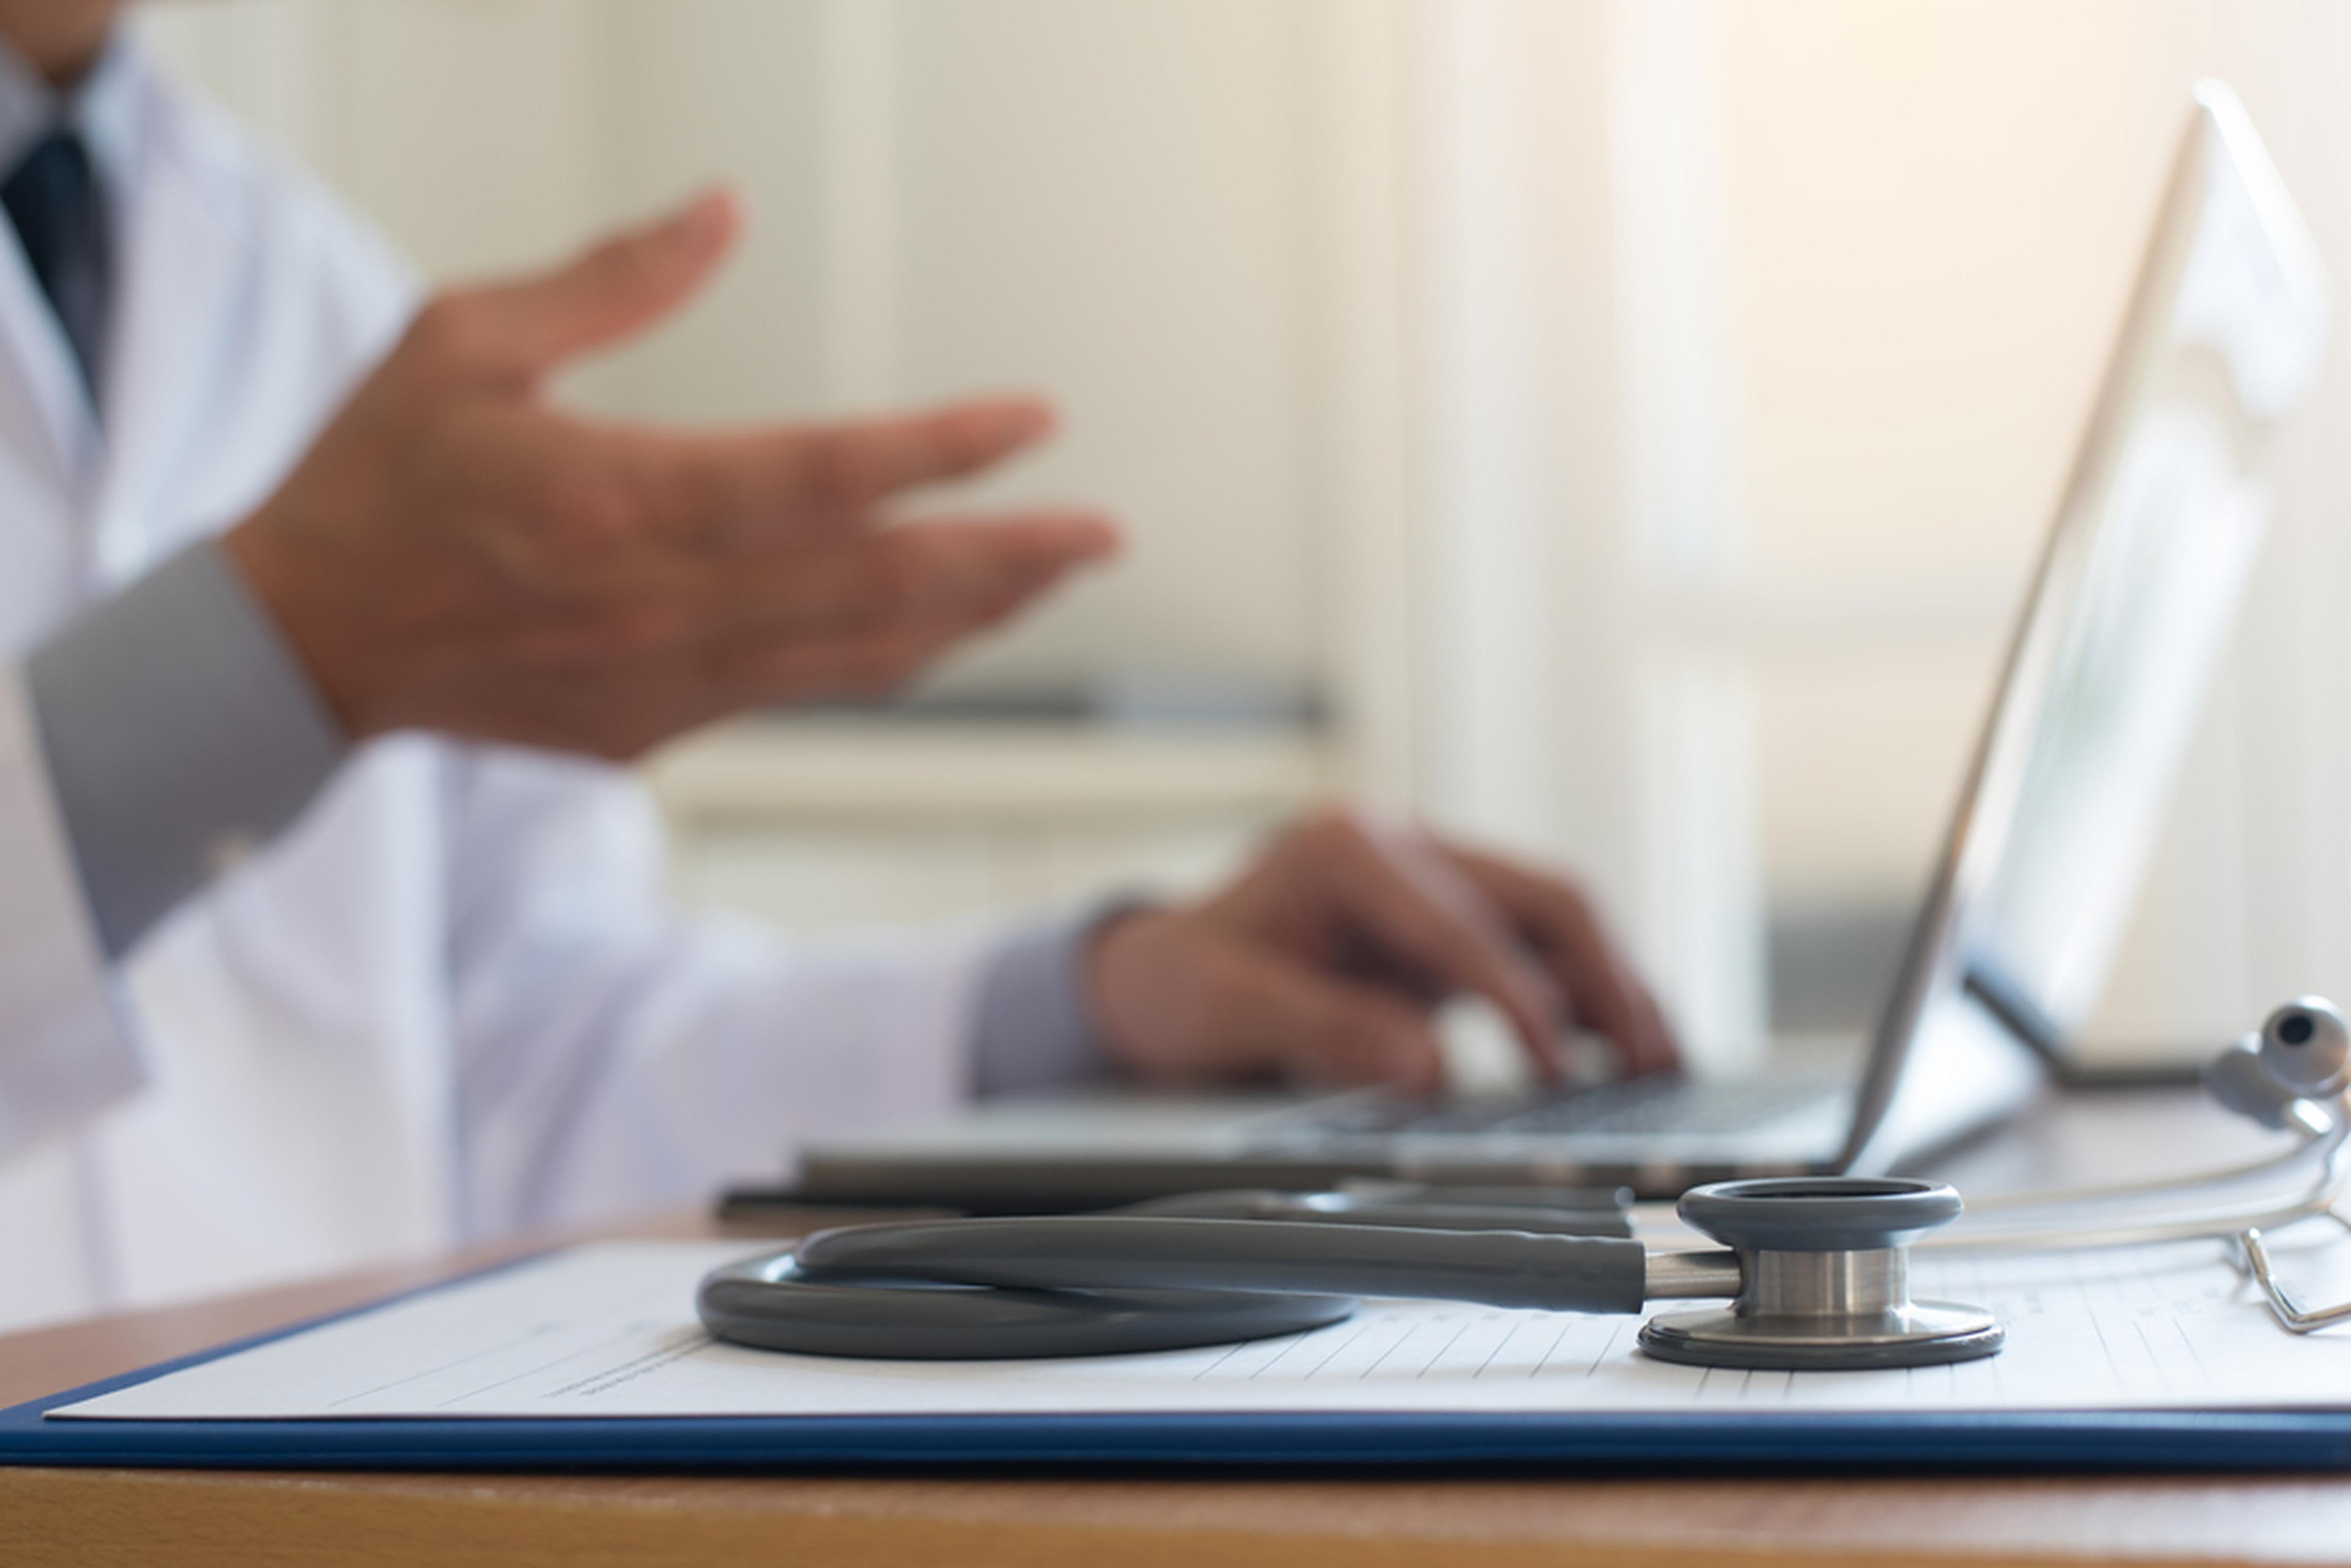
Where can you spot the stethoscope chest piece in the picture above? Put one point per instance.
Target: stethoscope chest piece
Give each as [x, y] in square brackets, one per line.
[1827, 1279]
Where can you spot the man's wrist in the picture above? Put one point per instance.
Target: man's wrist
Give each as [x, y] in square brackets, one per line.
[180, 730]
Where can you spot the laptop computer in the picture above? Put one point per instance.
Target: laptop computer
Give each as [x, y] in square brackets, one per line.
[2125, 619]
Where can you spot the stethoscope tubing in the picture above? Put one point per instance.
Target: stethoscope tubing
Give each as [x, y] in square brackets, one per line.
[1121, 1252]
[1542, 1210]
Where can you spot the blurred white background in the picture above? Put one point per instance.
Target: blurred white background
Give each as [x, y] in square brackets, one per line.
[1618, 428]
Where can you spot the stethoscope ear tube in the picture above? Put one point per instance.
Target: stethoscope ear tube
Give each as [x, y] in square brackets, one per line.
[1548, 1211]
[1082, 1252]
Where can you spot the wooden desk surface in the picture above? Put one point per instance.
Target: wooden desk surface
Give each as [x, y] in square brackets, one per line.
[100, 1517]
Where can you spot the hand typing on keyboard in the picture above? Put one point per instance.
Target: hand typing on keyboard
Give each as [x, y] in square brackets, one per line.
[1326, 960]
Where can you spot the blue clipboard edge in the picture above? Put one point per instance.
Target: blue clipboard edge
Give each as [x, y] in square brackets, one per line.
[2038, 1442]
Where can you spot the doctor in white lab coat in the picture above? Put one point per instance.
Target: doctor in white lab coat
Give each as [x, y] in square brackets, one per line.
[443, 997]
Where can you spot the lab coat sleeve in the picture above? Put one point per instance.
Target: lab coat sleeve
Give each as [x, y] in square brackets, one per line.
[617, 1053]
[180, 730]
[65, 1053]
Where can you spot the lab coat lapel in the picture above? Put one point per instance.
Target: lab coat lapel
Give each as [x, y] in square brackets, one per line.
[43, 479]
[172, 288]
[43, 373]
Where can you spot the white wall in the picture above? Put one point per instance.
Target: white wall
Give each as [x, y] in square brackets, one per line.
[1936, 210]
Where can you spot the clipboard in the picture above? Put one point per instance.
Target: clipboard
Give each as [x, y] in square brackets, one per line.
[1582, 1442]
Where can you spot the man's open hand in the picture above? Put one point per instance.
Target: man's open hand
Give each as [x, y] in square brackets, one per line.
[455, 553]
[1326, 960]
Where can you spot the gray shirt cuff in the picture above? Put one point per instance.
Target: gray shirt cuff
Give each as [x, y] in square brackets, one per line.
[181, 731]
[1035, 1028]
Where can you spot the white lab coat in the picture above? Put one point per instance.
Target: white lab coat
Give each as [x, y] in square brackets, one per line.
[451, 1001]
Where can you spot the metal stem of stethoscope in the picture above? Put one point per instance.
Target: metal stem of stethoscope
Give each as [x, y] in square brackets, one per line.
[2101, 1217]
[2312, 1120]
[2071, 1223]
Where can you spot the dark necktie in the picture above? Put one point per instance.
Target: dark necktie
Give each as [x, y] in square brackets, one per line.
[52, 197]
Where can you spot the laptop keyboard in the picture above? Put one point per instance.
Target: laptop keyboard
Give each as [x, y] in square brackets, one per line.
[1639, 1105]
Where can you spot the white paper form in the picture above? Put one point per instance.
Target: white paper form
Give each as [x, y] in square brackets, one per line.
[609, 1330]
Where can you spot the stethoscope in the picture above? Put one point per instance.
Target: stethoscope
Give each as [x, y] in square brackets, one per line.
[1816, 1269]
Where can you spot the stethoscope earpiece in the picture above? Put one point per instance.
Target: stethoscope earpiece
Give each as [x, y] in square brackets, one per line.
[2306, 1047]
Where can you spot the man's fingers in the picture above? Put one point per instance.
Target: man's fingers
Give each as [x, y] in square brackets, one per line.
[1426, 912]
[941, 580]
[874, 665]
[748, 488]
[913, 574]
[602, 507]
[525, 328]
[1606, 990]
[878, 608]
